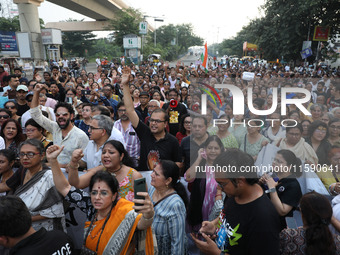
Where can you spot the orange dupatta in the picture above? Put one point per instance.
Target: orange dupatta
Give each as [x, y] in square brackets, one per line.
[122, 223]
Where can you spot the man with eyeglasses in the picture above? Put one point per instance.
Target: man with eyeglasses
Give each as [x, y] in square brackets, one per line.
[63, 131]
[100, 131]
[297, 144]
[176, 111]
[156, 143]
[248, 223]
[143, 107]
[123, 124]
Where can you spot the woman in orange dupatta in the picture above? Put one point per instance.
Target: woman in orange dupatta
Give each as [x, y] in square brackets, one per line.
[112, 221]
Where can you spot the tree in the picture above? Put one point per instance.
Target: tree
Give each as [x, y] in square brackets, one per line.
[13, 24]
[104, 48]
[284, 26]
[126, 22]
[75, 43]
[183, 35]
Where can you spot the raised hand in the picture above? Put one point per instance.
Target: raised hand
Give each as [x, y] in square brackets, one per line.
[77, 155]
[38, 87]
[126, 75]
[53, 152]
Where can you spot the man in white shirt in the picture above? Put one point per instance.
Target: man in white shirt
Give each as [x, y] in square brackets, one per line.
[100, 131]
[63, 131]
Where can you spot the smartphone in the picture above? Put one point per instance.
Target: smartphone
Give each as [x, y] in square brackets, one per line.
[11, 94]
[1, 89]
[139, 186]
[69, 100]
[85, 92]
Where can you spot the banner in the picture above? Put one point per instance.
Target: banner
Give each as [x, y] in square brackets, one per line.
[249, 46]
[8, 43]
[306, 53]
[321, 33]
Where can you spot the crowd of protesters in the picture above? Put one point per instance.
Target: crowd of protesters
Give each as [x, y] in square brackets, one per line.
[84, 138]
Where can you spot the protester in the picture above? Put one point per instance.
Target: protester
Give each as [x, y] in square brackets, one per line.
[314, 237]
[17, 233]
[33, 183]
[285, 191]
[108, 216]
[169, 199]
[246, 198]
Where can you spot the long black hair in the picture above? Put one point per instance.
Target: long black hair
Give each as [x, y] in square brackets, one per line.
[292, 161]
[317, 212]
[121, 150]
[170, 169]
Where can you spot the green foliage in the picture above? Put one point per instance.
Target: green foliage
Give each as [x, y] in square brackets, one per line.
[126, 22]
[75, 43]
[104, 48]
[285, 25]
[183, 34]
[13, 24]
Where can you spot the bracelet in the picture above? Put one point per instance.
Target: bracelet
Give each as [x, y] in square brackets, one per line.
[72, 167]
[146, 218]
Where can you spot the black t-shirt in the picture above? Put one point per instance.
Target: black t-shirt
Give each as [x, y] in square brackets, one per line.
[22, 109]
[175, 115]
[44, 242]
[289, 191]
[189, 150]
[251, 228]
[143, 113]
[152, 150]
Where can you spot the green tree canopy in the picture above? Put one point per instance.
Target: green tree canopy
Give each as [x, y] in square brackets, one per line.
[284, 26]
[126, 22]
[75, 43]
[13, 24]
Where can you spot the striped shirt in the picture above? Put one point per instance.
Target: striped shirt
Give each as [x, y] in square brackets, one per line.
[131, 139]
[169, 224]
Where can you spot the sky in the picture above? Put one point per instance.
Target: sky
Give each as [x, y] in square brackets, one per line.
[213, 20]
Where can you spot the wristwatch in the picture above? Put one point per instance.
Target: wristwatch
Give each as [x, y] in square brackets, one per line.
[272, 190]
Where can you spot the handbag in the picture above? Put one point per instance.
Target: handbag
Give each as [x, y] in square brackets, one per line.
[86, 251]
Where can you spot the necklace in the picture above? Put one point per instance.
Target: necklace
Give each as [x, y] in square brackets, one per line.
[114, 172]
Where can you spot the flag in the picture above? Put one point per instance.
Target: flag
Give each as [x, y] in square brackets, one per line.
[204, 58]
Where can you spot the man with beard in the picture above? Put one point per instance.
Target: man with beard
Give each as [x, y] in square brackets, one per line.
[63, 131]
[156, 142]
[130, 136]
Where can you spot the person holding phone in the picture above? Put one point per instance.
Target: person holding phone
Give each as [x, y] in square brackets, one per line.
[170, 200]
[201, 177]
[112, 221]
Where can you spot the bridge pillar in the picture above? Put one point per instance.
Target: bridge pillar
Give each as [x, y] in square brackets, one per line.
[29, 22]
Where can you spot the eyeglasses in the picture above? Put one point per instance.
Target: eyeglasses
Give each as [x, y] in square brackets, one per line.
[222, 185]
[61, 114]
[85, 110]
[4, 117]
[93, 128]
[30, 130]
[187, 122]
[10, 107]
[156, 121]
[121, 110]
[321, 131]
[102, 193]
[28, 154]
[334, 127]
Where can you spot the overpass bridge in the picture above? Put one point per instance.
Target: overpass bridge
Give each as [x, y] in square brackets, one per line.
[102, 11]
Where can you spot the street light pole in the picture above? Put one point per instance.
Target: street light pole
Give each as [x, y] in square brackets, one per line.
[155, 34]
